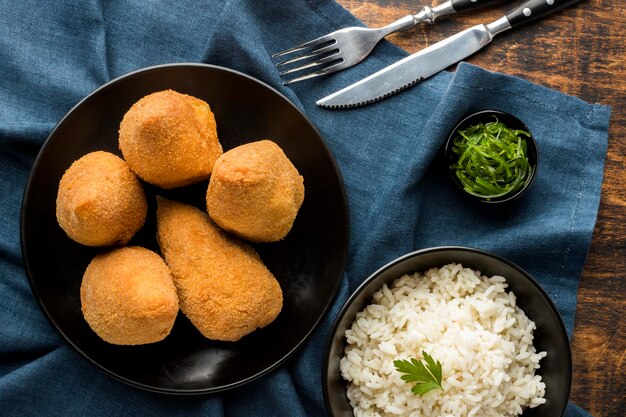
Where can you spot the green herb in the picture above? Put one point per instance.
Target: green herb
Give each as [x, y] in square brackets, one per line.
[492, 159]
[427, 377]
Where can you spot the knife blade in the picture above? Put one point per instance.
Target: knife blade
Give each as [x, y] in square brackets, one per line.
[427, 62]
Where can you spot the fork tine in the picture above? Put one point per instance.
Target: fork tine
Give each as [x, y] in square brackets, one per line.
[317, 52]
[327, 70]
[313, 64]
[309, 44]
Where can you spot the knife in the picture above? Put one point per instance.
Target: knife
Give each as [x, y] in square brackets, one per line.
[427, 62]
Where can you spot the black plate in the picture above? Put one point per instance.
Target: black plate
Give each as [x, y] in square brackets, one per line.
[308, 263]
[549, 336]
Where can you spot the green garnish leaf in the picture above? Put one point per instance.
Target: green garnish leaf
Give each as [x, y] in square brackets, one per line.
[426, 375]
[423, 388]
[492, 160]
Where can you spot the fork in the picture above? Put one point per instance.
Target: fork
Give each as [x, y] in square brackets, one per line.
[346, 47]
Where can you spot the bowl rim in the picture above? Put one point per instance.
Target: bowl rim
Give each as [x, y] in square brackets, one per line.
[533, 153]
[354, 294]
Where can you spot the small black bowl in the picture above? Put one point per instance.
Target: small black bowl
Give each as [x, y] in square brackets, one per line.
[549, 336]
[510, 121]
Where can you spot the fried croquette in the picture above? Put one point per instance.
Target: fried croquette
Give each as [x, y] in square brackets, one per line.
[255, 192]
[223, 286]
[128, 296]
[100, 201]
[170, 139]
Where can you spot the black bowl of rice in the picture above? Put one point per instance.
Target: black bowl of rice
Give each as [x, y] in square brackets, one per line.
[500, 340]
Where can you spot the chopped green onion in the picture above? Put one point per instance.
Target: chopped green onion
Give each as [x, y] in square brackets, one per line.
[492, 160]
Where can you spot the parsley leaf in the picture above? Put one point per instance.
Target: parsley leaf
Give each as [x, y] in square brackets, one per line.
[427, 377]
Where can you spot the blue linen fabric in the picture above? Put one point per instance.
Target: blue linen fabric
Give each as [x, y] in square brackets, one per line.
[52, 54]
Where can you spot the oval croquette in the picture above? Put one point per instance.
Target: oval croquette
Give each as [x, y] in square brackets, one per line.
[100, 201]
[224, 288]
[128, 297]
[255, 192]
[170, 139]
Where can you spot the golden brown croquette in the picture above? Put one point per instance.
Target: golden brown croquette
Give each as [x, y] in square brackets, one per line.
[255, 192]
[224, 288]
[170, 139]
[100, 201]
[128, 296]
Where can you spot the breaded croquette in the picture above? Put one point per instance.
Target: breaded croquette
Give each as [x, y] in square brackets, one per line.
[100, 201]
[224, 288]
[128, 297]
[170, 139]
[255, 192]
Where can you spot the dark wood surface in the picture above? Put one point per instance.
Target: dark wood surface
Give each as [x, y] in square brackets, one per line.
[579, 51]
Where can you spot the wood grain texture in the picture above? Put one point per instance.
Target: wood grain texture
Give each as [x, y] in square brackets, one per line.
[579, 51]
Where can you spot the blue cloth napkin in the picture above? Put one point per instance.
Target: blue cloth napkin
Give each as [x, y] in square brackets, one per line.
[52, 54]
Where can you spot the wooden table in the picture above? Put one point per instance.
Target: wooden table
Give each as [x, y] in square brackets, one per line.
[579, 51]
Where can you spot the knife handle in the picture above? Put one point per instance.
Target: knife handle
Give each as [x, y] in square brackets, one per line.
[534, 9]
[461, 5]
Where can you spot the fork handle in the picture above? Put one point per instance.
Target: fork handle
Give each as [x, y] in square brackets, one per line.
[430, 14]
[461, 5]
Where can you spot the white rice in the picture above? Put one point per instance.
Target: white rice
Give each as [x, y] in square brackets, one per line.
[466, 321]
